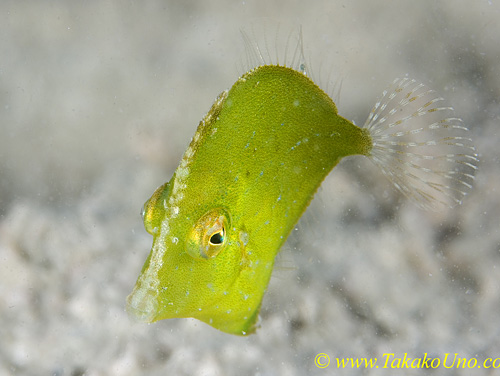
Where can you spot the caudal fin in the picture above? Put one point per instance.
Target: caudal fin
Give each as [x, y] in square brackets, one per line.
[421, 146]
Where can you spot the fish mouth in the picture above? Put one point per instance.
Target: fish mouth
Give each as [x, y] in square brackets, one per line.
[142, 304]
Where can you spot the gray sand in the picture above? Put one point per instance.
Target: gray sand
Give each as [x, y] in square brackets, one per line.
[99, 100]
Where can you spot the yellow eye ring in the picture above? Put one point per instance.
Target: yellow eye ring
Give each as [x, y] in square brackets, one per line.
[208, 237]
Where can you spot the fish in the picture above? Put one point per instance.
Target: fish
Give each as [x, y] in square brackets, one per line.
[253, 166]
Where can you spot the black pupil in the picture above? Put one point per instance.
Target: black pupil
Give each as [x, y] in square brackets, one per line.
[217, 238]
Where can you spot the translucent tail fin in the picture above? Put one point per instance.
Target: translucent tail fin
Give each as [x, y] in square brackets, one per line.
[421, 146]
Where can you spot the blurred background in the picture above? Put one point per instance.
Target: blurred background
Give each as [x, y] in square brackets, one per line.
[98, 101]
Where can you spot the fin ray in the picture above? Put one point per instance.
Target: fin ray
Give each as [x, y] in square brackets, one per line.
[421, 145]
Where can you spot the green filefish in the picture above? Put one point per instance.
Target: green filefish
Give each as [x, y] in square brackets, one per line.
[250, 171]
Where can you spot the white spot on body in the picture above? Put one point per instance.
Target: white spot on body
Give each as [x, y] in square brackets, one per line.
[182, 171]
[188, 154]
[243, 237]
[196, 137]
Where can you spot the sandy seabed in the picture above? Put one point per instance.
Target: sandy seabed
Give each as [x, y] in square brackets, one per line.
[98, 102]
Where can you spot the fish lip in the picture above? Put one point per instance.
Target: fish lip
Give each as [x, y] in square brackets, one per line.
[142, 304]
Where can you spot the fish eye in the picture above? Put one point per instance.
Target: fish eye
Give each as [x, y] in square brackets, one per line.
[208, 236]
[217, 238]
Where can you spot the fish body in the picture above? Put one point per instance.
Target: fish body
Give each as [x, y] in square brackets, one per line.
[250, 171]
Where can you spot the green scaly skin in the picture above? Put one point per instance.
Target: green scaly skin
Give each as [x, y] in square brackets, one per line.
[252, 168]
